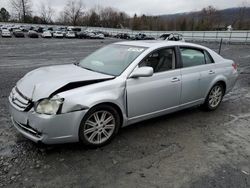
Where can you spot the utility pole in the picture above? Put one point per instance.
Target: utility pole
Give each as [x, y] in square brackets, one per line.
[24, 11]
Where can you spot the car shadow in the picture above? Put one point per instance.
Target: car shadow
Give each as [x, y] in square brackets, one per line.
[157, 124]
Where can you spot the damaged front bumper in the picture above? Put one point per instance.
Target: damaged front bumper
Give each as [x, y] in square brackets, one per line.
[48, 129]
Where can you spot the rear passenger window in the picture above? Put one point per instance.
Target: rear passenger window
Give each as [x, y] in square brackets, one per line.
[192, 57]
[208, 58]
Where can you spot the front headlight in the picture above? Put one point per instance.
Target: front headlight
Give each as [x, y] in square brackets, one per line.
[48, 106]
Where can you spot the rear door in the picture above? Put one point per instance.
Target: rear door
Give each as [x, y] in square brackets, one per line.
[198, 71]
[208, 74]
[193, 62]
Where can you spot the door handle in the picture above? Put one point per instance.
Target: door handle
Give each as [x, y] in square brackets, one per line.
[175, 79]
[211, 72]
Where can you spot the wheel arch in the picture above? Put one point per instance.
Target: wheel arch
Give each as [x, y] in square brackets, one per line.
[206, 104]
[115, 106]
[223, 83]
[106, 104]
[217, 80]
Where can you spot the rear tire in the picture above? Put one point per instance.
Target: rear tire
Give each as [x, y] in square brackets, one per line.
[99, 126]
[214, 97]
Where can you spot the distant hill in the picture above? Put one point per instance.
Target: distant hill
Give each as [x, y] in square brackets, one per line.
[230, 16]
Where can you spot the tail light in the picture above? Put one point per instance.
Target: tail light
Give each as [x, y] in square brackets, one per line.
[235, 66]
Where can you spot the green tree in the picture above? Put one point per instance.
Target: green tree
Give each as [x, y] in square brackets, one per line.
[4, 15]
[94, 19]
[136, 23]
[183, 25]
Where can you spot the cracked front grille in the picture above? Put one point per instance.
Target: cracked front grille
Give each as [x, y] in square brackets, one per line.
[19, 101]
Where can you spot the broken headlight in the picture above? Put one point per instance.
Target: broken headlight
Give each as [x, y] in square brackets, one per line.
[49, 106]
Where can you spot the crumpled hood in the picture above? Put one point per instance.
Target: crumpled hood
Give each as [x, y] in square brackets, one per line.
[42, 82]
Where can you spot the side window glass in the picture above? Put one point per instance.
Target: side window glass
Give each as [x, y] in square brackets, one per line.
[161, 60]
[192, 57]
[208, 58]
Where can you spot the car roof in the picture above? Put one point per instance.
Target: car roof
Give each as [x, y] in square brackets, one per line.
[158, 43]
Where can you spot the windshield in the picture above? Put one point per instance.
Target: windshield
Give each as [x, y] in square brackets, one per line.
[112, 59]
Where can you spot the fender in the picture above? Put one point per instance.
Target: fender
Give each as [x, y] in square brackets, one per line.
[218, 78]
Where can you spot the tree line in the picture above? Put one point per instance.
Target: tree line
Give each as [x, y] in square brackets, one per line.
[75, 13]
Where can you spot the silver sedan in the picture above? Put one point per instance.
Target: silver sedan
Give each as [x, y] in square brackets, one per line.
[118, 85]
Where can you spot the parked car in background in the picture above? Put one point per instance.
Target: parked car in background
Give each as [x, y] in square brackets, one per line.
[3, 28]
[97, 36]
[5, 33]
[51, 29]
[93, 35]
[90, 35]
[74, 29]
[33, 34]
[82, 35]
[172, 37]
[58, 34]
[18, 33]
[70, 34]
[13, 27]
[26, 28]
[122, 36]
[142, 36]
[63, 30]
[46, 34]
[118, 85]
[22, 28]
[106, 34]
[39, 29]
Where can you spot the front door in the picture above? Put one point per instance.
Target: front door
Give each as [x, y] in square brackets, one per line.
[158, 93]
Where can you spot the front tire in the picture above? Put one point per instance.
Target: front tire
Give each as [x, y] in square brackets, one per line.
[214, 97]
[99, 126]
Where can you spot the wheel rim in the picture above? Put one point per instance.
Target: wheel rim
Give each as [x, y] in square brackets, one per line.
[215, 96]
[99, 127]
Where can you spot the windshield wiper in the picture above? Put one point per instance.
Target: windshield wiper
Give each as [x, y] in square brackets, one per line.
[89, 69]
[76, 63]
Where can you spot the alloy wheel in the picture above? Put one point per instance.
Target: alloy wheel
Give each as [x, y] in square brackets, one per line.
[215, 96]
[99, 127]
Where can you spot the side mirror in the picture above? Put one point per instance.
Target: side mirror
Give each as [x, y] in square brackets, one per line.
[142, 72]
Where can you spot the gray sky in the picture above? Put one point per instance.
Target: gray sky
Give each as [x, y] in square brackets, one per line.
[151, 7]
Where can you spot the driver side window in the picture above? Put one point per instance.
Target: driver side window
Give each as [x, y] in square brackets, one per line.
[160, 60]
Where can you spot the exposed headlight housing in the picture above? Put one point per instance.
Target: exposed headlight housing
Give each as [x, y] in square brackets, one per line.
[49, 106]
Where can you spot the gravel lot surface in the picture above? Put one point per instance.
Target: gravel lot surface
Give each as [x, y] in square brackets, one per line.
[190, 148]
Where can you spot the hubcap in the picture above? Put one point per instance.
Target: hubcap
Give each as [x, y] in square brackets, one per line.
[99, 127]
[215, 96]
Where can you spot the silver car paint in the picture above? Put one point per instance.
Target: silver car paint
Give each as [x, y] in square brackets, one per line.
[158, 92]
[35, 85]
[136, 98]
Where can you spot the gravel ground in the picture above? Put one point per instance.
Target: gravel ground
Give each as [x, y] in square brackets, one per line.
[190, 148]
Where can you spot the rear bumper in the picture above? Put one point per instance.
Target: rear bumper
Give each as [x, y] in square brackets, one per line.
[48, 129]
[19, 36]
[6, 35]
[232, 81]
